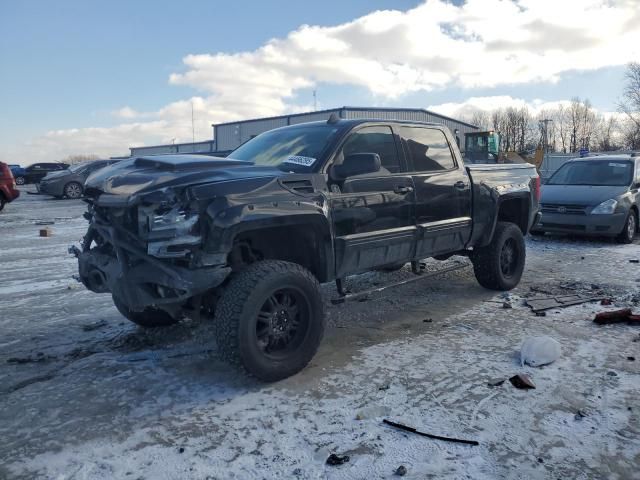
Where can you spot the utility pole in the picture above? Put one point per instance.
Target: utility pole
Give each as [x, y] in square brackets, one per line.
[315, 100]
[544, 126]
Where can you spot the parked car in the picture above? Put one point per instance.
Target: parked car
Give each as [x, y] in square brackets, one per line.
[36, 172]
[593, 196]
[8, 190]
[248, 238]
[70, 182]
[18, 174]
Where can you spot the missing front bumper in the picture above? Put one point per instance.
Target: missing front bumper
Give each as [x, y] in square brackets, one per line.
[146, 284]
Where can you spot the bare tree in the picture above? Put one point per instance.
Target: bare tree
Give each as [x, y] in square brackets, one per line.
[630, 106]
[71, 159]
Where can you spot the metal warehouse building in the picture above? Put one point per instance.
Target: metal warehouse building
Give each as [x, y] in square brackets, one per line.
[228, 136]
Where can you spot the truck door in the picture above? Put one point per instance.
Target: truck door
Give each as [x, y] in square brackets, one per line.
[372, 214]
[443, 191]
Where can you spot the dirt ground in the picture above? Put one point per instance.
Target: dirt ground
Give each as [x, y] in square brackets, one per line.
[85, 394]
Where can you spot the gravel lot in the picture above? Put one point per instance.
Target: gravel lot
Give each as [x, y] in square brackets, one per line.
[85, 394]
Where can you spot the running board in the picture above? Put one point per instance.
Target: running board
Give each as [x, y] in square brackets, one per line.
[421, 276]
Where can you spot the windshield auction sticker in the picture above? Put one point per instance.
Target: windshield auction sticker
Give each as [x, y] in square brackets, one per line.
[300, 160]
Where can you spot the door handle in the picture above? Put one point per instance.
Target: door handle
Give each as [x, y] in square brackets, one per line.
[460, 185]
[401, 189]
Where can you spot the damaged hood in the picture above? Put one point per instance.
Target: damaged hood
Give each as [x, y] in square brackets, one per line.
[587, 195]
[145, 174]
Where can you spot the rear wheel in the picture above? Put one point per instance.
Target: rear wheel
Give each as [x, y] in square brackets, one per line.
[499, 265]
[73, 190]
[629, 230]
[270, 319]
[19, 180]
[148, 318]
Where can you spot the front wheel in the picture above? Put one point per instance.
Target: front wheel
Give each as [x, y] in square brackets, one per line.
[19, 180]
[148, 318]
[499, 265]
[629, 230]
[270, 319]
[73, 190]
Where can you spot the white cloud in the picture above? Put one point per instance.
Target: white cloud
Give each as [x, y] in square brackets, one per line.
[482, 43]
[471, 105]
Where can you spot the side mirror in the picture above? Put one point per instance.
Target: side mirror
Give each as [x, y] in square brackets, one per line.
[357, 164]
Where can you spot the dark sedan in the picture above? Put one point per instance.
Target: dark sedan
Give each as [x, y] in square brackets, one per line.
[593, 196]
[37, 171]
[70, 182]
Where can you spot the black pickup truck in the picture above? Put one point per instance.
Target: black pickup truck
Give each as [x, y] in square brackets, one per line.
[247, 239]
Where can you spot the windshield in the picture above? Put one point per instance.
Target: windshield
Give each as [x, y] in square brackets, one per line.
[290, 149]
[613, 173]
[78, 166]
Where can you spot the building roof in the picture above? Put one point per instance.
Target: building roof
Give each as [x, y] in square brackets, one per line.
[379, 109]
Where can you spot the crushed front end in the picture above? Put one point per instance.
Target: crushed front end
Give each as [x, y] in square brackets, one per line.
[146, 250]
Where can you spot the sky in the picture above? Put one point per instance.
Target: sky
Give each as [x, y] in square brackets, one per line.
[96, 77]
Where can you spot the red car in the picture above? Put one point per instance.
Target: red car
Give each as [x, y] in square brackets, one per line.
[8, 190]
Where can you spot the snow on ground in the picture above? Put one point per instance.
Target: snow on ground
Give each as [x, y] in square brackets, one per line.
[86, 395]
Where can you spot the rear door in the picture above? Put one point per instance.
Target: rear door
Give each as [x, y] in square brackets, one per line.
[443, 191]
[372, 214]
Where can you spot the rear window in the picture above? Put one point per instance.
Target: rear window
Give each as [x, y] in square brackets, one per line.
[611, 173]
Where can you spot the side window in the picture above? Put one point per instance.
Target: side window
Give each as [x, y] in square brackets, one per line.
[375, 140]
[428, 149]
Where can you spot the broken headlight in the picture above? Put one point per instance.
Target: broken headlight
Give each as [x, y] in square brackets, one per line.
[170, 231]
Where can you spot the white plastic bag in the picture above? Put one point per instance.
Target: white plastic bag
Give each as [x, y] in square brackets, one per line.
[538, 351]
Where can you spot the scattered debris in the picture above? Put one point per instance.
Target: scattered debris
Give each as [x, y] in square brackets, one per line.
[428, 320]
[606, 302]
[46, 232]
[541, 314]
[506, 305]
[631, 359]
[541, 304]
[592, 365]
[634, 260]
[429, 435]
[595, 286]
[496, 382]
[538, 351]
[522, 381]
[383, 387]
[401, 471]
[45, 222]
[616, 316]
[181, 450]
[612, 373]
[334, 459]
[580, 414]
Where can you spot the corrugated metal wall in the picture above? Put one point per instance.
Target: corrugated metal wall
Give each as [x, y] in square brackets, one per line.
[230, 135]
[197, 147]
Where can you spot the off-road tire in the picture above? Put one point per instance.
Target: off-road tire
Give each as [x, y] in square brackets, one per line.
[73, 190]
[148, 318]
[19, 180]
[630, 228]
[236, 318]
[489, 262]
